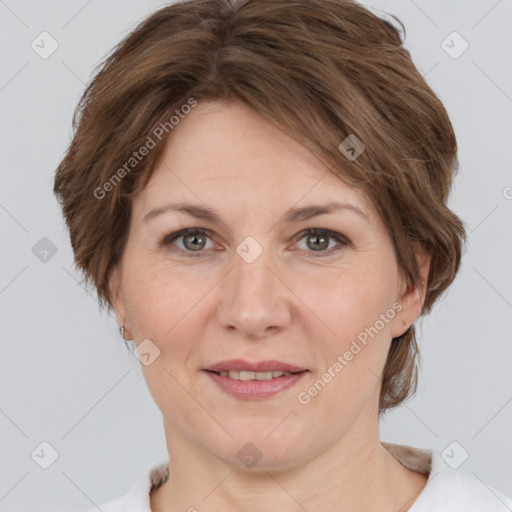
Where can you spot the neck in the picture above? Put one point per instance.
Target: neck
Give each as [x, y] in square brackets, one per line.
[356, 474]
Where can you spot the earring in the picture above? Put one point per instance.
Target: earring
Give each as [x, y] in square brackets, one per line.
[405, 325]
[121, 330]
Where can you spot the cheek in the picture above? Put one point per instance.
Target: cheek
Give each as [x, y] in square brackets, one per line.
[349, 300]
[358, 306]
[166, 309]
[157, 300]
[161, 309]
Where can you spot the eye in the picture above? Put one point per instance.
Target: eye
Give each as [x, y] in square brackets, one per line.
[318, 240]
[195, 240]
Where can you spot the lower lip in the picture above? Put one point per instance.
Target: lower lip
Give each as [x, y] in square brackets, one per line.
[254, 389]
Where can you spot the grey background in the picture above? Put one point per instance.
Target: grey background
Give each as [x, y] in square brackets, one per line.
[65, 375]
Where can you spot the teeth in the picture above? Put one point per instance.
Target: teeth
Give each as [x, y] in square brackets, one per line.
[253, 375]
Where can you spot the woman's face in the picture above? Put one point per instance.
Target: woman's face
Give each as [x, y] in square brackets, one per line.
[255, 286]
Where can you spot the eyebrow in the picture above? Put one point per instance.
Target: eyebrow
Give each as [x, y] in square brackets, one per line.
[293, 215]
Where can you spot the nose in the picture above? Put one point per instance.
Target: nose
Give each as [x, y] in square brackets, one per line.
[254, 301]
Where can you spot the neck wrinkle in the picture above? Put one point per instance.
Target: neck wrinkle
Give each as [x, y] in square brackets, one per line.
[358, 459]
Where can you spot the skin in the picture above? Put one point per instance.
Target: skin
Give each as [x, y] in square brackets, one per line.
[291, 304]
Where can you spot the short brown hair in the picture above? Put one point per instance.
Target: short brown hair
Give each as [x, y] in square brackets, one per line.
[320, 70]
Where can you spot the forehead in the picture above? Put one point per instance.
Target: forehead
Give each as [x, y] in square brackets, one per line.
[225, 153]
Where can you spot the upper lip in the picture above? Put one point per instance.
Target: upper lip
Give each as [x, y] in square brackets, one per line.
[259, 366]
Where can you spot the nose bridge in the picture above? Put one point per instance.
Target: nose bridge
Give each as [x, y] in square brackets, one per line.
[251, 273]
[252, 298]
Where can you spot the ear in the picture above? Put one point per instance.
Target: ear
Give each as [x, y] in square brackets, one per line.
[117, 297]
[411, 298]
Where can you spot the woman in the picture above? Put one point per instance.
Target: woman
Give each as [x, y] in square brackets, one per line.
[258, 191]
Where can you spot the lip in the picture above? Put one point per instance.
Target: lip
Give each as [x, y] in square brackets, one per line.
[239, 365]
[255, 389]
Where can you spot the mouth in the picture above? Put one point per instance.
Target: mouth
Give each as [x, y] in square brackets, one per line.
[259, 380]
[248, 375]
[240, 365]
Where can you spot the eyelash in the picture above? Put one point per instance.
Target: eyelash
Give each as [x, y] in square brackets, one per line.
[168, 239]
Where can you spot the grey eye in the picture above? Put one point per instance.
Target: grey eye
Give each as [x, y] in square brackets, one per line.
[317, 241]
[194, 241]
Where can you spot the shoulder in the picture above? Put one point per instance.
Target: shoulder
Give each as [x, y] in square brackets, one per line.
[121, 504]
[447, 489]
[132, 501]
[137, 499]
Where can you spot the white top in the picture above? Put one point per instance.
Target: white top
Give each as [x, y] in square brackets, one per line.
[447, 490]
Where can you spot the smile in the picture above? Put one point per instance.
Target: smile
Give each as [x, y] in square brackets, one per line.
[252, 375]
[250, 385]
